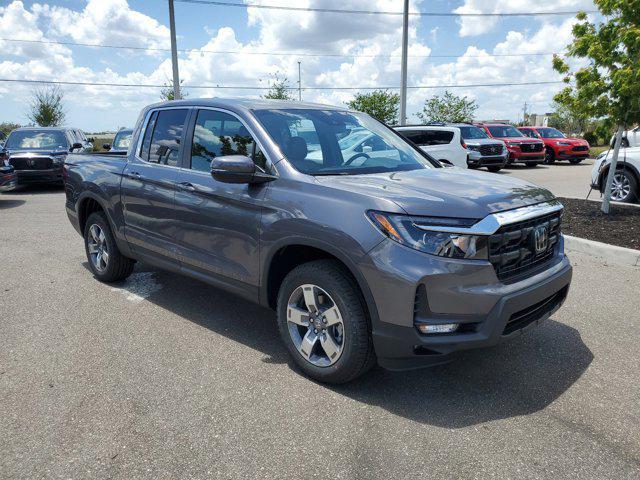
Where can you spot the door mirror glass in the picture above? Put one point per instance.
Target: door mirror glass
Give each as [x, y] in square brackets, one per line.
[233, 169]
[367, 149]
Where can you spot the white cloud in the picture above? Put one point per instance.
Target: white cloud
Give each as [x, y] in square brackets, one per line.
[470, 26]
[105, 22]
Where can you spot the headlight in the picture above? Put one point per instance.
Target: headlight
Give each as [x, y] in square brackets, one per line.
[564, 144]
[58, 160]
[421, 233]
[475, 148]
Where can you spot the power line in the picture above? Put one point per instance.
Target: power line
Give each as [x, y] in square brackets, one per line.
[249, 87]
[237, 52]
[376, 12]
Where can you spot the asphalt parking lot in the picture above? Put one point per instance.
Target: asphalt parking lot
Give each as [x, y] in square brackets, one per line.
[166, 377]
[562, 178]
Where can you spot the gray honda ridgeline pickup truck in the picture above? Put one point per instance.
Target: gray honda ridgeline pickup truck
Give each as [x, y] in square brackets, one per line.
[382, 255]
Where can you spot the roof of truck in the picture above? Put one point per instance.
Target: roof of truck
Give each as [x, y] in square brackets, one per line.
[247, 103]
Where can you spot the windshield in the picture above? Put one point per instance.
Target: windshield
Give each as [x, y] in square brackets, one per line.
[550, 133]
[122, 140]
[472, 133]
[346, 143]
[505, 131]
[37, 140]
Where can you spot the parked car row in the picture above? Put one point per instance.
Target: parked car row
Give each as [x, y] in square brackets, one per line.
[494, 145]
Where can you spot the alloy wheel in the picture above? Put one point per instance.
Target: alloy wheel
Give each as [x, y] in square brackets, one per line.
[620, 187]
[315, 325]
[98, 250]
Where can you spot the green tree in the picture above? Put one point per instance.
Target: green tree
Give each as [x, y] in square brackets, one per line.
[448, 108]
[609, 86]
[566, 120]
[7, 127]
[279, 88]
[47, 107]
[380, 104]
[166, 93]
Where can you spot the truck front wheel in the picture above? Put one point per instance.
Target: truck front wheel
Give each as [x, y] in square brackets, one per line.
[323, 323]
[105, 260]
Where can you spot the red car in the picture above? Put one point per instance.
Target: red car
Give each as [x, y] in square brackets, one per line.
[521, 149]
[557, 145]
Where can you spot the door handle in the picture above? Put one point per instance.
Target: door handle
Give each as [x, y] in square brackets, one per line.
[190, 187]
[133, 175]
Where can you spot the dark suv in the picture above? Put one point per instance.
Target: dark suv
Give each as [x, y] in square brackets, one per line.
[372, 255]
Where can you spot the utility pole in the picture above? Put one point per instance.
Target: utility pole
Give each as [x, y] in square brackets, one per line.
[403, 68]
[299, 82]
[174, 53]
[524, 114]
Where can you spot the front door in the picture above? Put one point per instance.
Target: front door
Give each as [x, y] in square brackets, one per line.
[219, 222]
[148, 186]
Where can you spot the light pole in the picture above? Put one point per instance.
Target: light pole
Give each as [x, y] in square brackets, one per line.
[403, 68]
[174, 53]
[299, 82]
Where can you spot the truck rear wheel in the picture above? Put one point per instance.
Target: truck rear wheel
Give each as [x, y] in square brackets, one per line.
[105, 260]
[323, 322]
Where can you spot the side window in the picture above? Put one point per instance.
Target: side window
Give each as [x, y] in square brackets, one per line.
[217, 134]
[165, 140]
[146, 141]
[442, 137]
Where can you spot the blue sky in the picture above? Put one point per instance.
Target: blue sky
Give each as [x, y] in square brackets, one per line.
[471, 42]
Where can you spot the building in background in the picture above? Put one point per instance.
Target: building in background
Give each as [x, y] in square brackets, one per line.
[538, 120]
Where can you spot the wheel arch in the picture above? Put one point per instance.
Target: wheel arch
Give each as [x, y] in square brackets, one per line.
[623, 166]
[287, 254]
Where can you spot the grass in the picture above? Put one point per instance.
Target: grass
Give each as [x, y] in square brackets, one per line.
[595, 151]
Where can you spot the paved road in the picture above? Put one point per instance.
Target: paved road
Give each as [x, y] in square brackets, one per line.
[562, 178]
[165, 377]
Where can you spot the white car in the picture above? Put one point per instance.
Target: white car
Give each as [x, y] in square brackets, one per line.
[626, 182]
[630, 138]
[441, 142]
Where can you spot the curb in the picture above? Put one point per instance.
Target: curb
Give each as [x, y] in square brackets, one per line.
[611, 253]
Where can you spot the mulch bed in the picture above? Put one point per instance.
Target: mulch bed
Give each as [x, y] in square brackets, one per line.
[583, 218]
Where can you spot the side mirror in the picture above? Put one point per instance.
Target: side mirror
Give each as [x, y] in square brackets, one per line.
[76, 146]
[237, 169]
[106, 146]
[367, 149]
[445, 163]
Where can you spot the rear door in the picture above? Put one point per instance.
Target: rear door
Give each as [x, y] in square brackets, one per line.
[219, 223]
[149, 183]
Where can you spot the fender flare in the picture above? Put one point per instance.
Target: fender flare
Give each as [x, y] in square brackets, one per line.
[346, 260]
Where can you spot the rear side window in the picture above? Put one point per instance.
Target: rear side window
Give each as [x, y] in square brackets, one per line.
[428, 137]
[164, 145]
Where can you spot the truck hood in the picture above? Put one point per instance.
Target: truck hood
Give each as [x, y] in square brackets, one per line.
[444, 192]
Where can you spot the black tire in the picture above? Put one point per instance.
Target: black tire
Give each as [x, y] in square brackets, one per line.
[549, 157]
[494, 169]
[532, 164]
[357, 356]
[575, 161]
[118, 267]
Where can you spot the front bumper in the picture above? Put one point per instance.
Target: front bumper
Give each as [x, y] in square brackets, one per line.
[51, 175]
[476, 159]
[518, 156]
[570, 155]
[410, 287]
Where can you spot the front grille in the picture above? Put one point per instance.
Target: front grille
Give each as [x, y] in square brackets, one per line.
[31, 163]
[512, 249]
[491, 149]
[580, 148]
[531, 147]
[528, 315]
